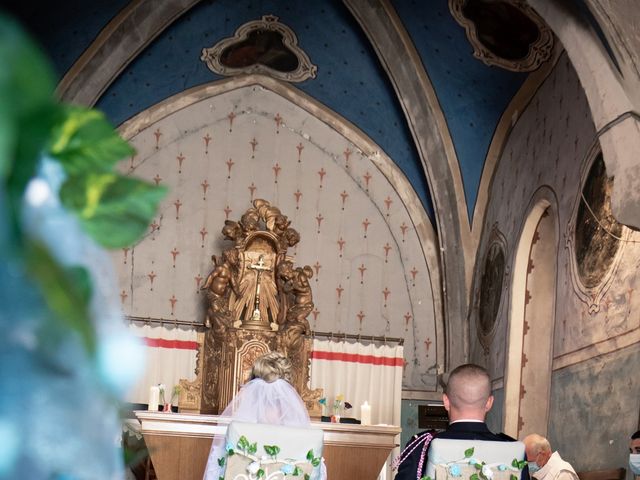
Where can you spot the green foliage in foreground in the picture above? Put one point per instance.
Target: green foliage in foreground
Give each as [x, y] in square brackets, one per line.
[115, 210]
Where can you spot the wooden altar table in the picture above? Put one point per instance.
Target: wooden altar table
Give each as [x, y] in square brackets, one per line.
[179, 445]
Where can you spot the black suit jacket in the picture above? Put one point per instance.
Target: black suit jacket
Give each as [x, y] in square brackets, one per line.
[457, 431]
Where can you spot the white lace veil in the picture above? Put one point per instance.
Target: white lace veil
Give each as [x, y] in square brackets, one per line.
[258, 401]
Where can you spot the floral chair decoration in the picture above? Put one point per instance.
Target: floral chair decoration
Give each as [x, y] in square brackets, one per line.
[272, 452]
[474, 460]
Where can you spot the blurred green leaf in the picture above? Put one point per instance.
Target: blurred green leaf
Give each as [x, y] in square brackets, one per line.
[113, 209]
[66, 292]
[86, 142]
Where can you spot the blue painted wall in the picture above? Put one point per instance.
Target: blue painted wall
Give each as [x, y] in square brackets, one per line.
[471, 94]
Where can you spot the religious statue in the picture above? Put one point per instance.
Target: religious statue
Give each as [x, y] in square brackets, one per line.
[257, 301]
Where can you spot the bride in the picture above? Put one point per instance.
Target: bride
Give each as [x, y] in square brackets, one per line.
[267, 398]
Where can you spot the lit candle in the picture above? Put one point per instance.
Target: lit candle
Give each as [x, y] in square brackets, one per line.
[154, 398]
[365, 414]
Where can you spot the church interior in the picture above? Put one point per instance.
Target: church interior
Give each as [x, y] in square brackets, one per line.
[455, 181]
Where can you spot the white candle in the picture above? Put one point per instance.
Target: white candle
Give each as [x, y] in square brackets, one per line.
[365, 414]
[154, 398]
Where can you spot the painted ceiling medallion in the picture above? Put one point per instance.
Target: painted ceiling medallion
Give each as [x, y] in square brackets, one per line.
[505, 33]
[261, 46]
[594, 238]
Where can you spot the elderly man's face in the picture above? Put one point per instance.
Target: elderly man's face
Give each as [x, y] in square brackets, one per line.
[634, 445]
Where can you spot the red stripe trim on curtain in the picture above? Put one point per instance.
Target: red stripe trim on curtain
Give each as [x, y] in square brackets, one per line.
[357, 358]
[164, 343]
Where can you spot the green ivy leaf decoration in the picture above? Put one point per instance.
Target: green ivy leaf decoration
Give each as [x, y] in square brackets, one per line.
[513, 477]
[307, 477]
[514, 463]
[221, 462]
[478, 466]
[426, 477]
[272, 450]
[522, 464]
[297, 471]
[260, 473]
[474, 477]
[310, 455]
[86, 142]
[315, 462]
[230, 452]
[253, 448]
[243, 443]
[113, 209]
[468, 453]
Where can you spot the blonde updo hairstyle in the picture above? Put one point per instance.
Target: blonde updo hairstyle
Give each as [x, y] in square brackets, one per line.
[272, 366]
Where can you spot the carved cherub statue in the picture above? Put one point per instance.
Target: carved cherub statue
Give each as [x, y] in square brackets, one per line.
[219, 282]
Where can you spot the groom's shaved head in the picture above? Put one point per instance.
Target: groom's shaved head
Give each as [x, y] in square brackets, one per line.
[469, 387]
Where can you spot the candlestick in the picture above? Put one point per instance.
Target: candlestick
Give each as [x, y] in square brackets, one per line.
[365, 414]
[154, 398]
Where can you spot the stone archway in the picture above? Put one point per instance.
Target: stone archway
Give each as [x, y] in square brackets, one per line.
[531, 323]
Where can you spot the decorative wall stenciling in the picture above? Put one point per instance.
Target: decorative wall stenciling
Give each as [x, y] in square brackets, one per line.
[505, 33]
[262, 46]
[364, 231]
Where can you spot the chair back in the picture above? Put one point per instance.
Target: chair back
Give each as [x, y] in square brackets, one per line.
[275, 450]
[613, 474]
[450, 459]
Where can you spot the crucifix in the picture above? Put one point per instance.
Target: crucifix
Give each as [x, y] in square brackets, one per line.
[259, 267]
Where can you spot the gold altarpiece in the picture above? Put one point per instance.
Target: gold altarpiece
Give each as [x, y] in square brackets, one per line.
[257, 302]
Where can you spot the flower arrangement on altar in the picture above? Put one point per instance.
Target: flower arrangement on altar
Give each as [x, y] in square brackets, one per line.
[175, 393]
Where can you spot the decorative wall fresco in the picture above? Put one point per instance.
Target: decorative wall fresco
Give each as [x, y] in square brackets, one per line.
[217, 154]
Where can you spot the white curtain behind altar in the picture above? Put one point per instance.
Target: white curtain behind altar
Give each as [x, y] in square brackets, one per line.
[361, 373]
[170, 356]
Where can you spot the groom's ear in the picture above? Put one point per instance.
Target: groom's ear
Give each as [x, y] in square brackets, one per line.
[445, 401]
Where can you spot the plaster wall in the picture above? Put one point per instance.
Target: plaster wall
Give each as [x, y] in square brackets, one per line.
[356, 214]
[549, 150]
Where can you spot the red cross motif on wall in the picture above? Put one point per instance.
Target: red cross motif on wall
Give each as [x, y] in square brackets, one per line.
[413, 272]
[300, 147]
[180, 159]
[362, 269]
[177, 204]
[157, 134]
[386, 293]
[387, 249]
[339, 291]
[367, 178]
[230, 164]
[252, 189]
[207, 139]
[407, 319]
[347, 153]
[344, 196]
[198, 278]
[319, 219]
[276, 171]
[321, 173]
[125, 251]
[173, 300]
[152, 275]
[341, 244]
[203, 234]
[278, 120]
[231, 116]
[254, 144]
[365, 226]
[227, 211]
[157, 179]
[317, 267]
[297, 194]
[427, 343]
[388, 202]
[123, 296]
[154, 227]
[174, 253]
[315, 314]
[205, 186]
[403, 229]
[360, 316]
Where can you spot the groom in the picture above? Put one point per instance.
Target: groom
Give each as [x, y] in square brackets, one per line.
[467, 399]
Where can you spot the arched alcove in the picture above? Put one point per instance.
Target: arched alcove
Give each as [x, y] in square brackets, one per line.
[531, 320]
